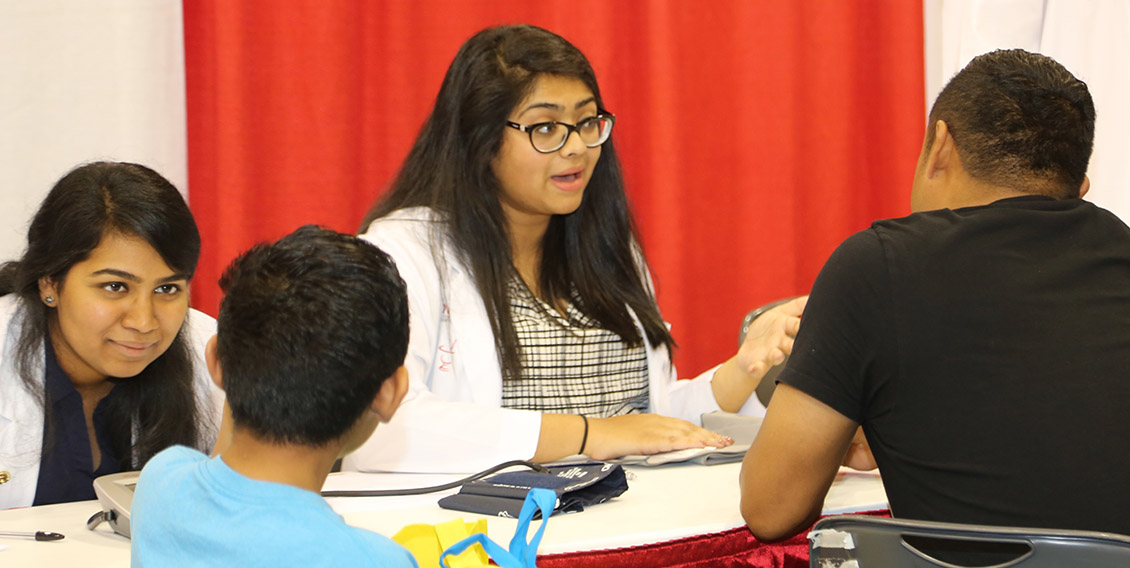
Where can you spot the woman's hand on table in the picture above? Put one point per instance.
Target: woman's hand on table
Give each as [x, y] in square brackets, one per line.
[646, 434]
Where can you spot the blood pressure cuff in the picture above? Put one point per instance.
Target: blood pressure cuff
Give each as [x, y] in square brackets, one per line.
[576, 485]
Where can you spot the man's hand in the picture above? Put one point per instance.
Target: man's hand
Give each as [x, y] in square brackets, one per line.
[859, 453]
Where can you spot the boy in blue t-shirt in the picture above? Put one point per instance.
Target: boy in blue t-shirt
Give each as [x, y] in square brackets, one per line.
[310, 347]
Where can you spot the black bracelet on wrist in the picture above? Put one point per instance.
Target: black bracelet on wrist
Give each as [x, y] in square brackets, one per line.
[585, 436]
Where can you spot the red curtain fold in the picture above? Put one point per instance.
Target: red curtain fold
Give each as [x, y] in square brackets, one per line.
[755, 136]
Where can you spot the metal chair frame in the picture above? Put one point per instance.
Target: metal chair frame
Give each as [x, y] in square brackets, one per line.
[857, 541]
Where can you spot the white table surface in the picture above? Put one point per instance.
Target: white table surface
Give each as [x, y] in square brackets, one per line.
[662, 503]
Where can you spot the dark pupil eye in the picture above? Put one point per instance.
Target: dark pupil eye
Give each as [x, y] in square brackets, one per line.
[545, 130]
[591, 126]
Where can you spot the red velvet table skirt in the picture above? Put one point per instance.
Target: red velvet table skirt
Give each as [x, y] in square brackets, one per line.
[732, 548]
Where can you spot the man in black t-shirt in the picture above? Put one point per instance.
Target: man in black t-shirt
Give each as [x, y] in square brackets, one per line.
[982, 343]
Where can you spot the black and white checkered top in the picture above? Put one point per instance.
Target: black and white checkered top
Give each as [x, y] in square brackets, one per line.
[570, 365]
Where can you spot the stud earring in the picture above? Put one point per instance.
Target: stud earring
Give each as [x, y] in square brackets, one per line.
[49, 299]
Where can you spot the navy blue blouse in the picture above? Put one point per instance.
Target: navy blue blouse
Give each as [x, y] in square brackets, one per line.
[66, 470]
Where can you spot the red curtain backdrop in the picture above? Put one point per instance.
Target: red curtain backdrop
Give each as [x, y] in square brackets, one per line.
[755, 136]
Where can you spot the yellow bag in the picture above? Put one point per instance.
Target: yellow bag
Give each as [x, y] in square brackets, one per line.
[432, 546]
[427, 543]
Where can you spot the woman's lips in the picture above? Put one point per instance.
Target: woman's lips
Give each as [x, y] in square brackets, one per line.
[134, 348]
[571, 180]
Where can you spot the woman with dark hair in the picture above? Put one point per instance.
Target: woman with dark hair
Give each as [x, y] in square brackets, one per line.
[534, 329]
[102, 361]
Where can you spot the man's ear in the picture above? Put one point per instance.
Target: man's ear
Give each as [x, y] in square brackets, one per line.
[943, 151]
[213, 360]
[392, 392]
[1084, 187]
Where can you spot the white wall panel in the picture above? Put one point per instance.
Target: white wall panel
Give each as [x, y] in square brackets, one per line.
[1089, 37]
[85, 80]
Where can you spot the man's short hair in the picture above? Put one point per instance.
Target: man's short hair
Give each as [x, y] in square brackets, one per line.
[1019, 120]
[309, 329]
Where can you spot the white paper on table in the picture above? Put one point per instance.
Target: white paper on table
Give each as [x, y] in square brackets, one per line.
[856, 492]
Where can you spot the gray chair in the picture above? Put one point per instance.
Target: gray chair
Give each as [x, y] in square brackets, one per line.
[859, 541]
[764, 390]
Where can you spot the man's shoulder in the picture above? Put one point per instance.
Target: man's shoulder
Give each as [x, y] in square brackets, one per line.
[930, 232]
[919, 223]
[860, 250]
[1027, 222]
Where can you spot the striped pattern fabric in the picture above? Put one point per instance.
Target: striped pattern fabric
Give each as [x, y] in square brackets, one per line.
[570, 365]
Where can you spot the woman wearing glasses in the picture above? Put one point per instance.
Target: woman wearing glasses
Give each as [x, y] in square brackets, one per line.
[535, 332]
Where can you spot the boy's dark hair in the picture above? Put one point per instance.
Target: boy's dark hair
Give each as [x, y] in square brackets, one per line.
[309, 329]
[1020, 120]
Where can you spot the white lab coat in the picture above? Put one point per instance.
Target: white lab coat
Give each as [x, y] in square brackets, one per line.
[21, 415]
[452, 418]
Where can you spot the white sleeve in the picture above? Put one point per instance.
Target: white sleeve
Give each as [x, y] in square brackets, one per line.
[688, 399]
[691, 398]
[448, 421]
[200, 328]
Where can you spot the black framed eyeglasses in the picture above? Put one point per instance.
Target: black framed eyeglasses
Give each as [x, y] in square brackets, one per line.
[549, 137]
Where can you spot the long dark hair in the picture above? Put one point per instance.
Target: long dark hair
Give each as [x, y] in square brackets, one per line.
[159, 405]
[590, 257]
